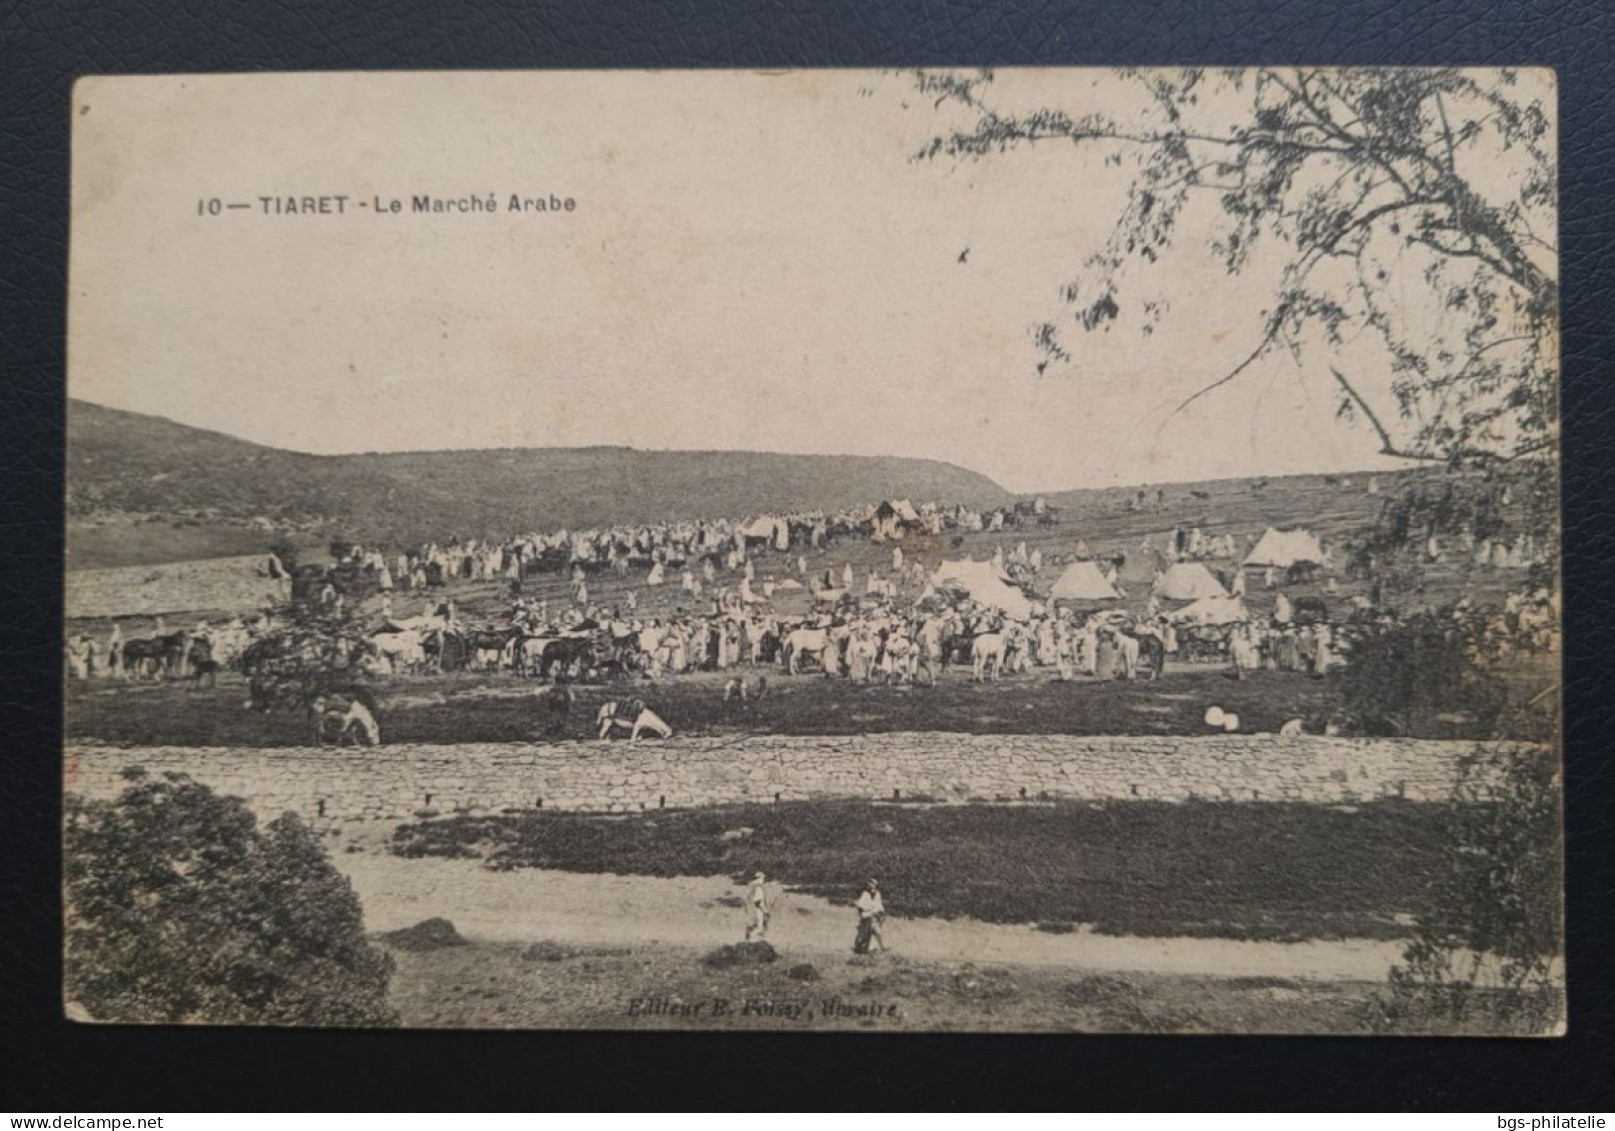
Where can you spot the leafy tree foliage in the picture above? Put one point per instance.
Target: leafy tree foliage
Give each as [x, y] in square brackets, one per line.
[1486, 957]
[1408, 208]
[1403, 676]
[179, 908]
[311, 648]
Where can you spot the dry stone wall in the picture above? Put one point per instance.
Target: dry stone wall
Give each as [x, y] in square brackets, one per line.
[216, 584]
[393, 783]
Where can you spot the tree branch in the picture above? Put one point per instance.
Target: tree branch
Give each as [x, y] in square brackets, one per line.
[1274, 324]
[1387, 445]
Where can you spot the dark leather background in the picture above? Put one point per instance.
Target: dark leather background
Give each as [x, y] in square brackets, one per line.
[49, 1066]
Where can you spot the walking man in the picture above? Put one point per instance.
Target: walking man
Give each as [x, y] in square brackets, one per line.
[871, 914]
[558, 701]
[758, 908]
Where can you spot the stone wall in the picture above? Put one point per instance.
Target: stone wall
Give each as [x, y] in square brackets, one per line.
[399, 782]
[215, 584]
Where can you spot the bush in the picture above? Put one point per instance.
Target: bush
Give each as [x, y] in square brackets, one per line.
[547, 950]
[1484, 958]
[179, 908]
[309, 651]
[741, 954]
[429, 934]
[1401, 678]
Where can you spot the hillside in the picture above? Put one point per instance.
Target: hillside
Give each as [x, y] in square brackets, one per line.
[123, 464]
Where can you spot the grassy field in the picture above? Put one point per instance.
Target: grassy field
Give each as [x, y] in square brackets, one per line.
[235, 584]
[469, 707]
[545, 985]
[132, 540]
[503, 708]
[1274, 871]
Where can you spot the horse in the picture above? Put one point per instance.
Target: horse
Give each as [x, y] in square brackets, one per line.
[989, 647]
[446, 650]
[816, 642]
[527, 653]
[490, 649]
[767, 648]
[626, 651]
[1151, 654]
[204, 668]
[567, 651]
[140, 658]
[155, 656]
[632, 716]
[400, 651]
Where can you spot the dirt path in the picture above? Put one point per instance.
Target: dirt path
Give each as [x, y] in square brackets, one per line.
[533, 904]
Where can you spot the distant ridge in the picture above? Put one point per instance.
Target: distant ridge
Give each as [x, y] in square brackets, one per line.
[128, 463]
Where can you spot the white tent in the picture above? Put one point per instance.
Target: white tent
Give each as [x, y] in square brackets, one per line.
[1083, 581]
[766, 526]
[1213, 610]
[1188, 581]
[984, 583]
[890, 518]
[1283, 548]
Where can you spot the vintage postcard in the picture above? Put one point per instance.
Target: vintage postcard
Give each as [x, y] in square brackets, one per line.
[1052, 550]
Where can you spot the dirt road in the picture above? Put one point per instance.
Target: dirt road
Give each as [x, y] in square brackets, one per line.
[534, 904]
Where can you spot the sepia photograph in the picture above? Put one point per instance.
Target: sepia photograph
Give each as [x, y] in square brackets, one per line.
[1018, 550]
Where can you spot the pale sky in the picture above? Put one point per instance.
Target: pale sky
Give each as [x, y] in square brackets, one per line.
[754, 262]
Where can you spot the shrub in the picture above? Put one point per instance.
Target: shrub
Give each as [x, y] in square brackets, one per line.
[1402, 677]
[741, 954]
[179, 908]
[429, 934]
[1485, 955]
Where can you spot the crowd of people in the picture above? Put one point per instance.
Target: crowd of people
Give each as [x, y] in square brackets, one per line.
[727, 594]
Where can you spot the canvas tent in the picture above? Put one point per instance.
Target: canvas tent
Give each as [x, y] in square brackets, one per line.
[776, 530]
[1213, 610]
[1188, 581]
[984, 583]
[892, 516]
[1284, 548]
[1083, 581]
